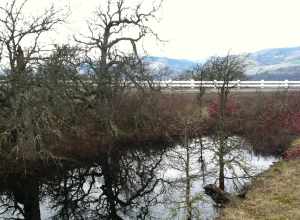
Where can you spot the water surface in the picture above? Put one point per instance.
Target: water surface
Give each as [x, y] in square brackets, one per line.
[132, 184]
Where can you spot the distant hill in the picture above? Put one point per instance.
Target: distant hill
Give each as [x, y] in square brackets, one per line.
[277, 56]
[176, 66]
[284, 73]
[268, 64]
[275, 64]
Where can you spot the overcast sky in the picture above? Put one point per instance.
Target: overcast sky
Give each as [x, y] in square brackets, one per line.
[200, 28]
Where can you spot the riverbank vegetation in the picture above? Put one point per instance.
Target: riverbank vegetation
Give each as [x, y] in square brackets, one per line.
[273, 195]
[50, 110]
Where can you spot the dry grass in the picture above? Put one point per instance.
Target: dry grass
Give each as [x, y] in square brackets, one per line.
[274, 196]
[295, 143]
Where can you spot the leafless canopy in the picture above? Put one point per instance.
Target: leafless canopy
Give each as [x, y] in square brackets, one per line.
[116, 27]
[227, 68]
[17, 29]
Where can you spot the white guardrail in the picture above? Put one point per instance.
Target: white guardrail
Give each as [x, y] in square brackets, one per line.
[262, 84]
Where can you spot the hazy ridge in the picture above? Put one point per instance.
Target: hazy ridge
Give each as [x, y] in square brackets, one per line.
[268, 64]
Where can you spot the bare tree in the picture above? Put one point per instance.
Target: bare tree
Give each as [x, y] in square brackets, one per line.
[21, 133]
[17, 29]
[184, 160]
[114, 34]
[224, 69]
[112, 54]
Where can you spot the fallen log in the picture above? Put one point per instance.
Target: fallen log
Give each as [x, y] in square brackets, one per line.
[218, 195]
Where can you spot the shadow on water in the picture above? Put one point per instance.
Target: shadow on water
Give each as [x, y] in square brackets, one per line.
[124, 184]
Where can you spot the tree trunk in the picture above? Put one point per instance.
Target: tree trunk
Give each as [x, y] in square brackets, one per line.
[188, 179]
[27, 193]
[221, 137]
[108, 175]
[32, 205]
[202, 160]
[221, 171]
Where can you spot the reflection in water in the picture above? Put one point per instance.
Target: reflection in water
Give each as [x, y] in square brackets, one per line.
[120, 186]
[241, 165]
[127, 184]
[20, 197]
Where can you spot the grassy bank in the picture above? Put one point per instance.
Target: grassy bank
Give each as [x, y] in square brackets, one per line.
[274, 195]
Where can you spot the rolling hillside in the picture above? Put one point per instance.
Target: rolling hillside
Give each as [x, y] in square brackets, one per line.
[275, 64]
[268, 64]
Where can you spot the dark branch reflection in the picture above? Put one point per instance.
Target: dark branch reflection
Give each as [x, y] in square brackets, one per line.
[122, 184]
[127, 183]
[117, 186]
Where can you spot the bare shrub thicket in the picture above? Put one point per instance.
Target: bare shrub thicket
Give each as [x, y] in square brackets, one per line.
[48, 107]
